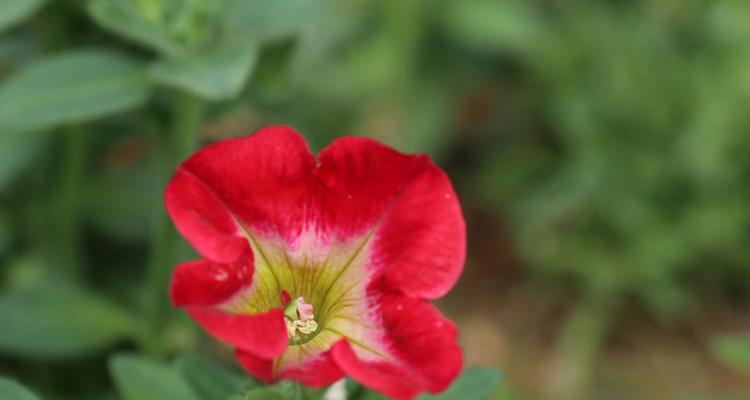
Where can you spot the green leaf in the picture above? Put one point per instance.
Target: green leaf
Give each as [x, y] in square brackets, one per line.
[734, 351]
[15, 11]
[138, 378]
[12, 390]
[209, 380]
[478, 384]
[281, 391]
[219, 72]
[70, 88]
[123, 18]
[55, 320]
[264, 20]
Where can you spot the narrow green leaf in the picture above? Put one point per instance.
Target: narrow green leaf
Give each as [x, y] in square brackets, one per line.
[734, 351]
[12, 390]
[138, 378]
[123, 18]
[70, 88]
[15, 11]
[220, 72]
[209, 380]
[55, 320]
[478, 384]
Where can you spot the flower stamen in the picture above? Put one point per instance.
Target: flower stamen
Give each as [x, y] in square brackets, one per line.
[299, 319]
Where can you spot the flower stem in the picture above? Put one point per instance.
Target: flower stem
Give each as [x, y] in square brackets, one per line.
[171, 151]
[581, 341]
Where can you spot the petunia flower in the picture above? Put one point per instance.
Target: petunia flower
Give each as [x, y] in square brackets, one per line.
[320, 267]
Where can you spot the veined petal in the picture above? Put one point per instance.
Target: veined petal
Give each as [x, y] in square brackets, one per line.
[262, 182]
[313, 370]
[420, 347]
[261, 334]
[410, 204]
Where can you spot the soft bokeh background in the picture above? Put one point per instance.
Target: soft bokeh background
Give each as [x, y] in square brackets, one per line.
[601, 150]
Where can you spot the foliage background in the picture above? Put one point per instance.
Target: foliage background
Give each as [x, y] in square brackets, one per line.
[600, 149]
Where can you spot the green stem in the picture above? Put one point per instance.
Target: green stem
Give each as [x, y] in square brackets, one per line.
[579, 346]
[65, 240]
[178, 146]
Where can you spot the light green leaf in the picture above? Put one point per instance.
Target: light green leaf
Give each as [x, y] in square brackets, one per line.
[264, 20]
[69, 88]
[12, 390]
[15, 11]
[478, 384]
[209, 380]
[219, 72]
[55, 320]
[138, 378]
[123, 18]
[491, 25]
[734, 351]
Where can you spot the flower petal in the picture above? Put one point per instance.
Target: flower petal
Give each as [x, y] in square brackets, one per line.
[380, 376]
[316, 372]
[205, 283]
[423, 240]
[421, 235]
[261, 334]
[264, 179]
[202, 218]
[421, 344]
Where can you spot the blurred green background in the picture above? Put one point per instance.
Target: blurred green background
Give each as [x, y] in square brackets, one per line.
[601, 150]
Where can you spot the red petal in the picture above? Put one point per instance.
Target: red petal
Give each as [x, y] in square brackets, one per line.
[423, 240]
[260, 368]
[383, 377]
[318, 372]
[263, 180]
[421, 232]
[261, 334]
[202, 219]
[423, 346]
[205, 283]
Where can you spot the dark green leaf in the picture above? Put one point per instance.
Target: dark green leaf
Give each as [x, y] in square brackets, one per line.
[12, 390]
[103, 206]
[15, 11]
[209, 380]
[17, 150]
[124, 19]
[220, 72]
[55, 320]
[70, 88]
[139, 378]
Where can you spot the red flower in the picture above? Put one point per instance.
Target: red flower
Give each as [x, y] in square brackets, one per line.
[320, 267]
